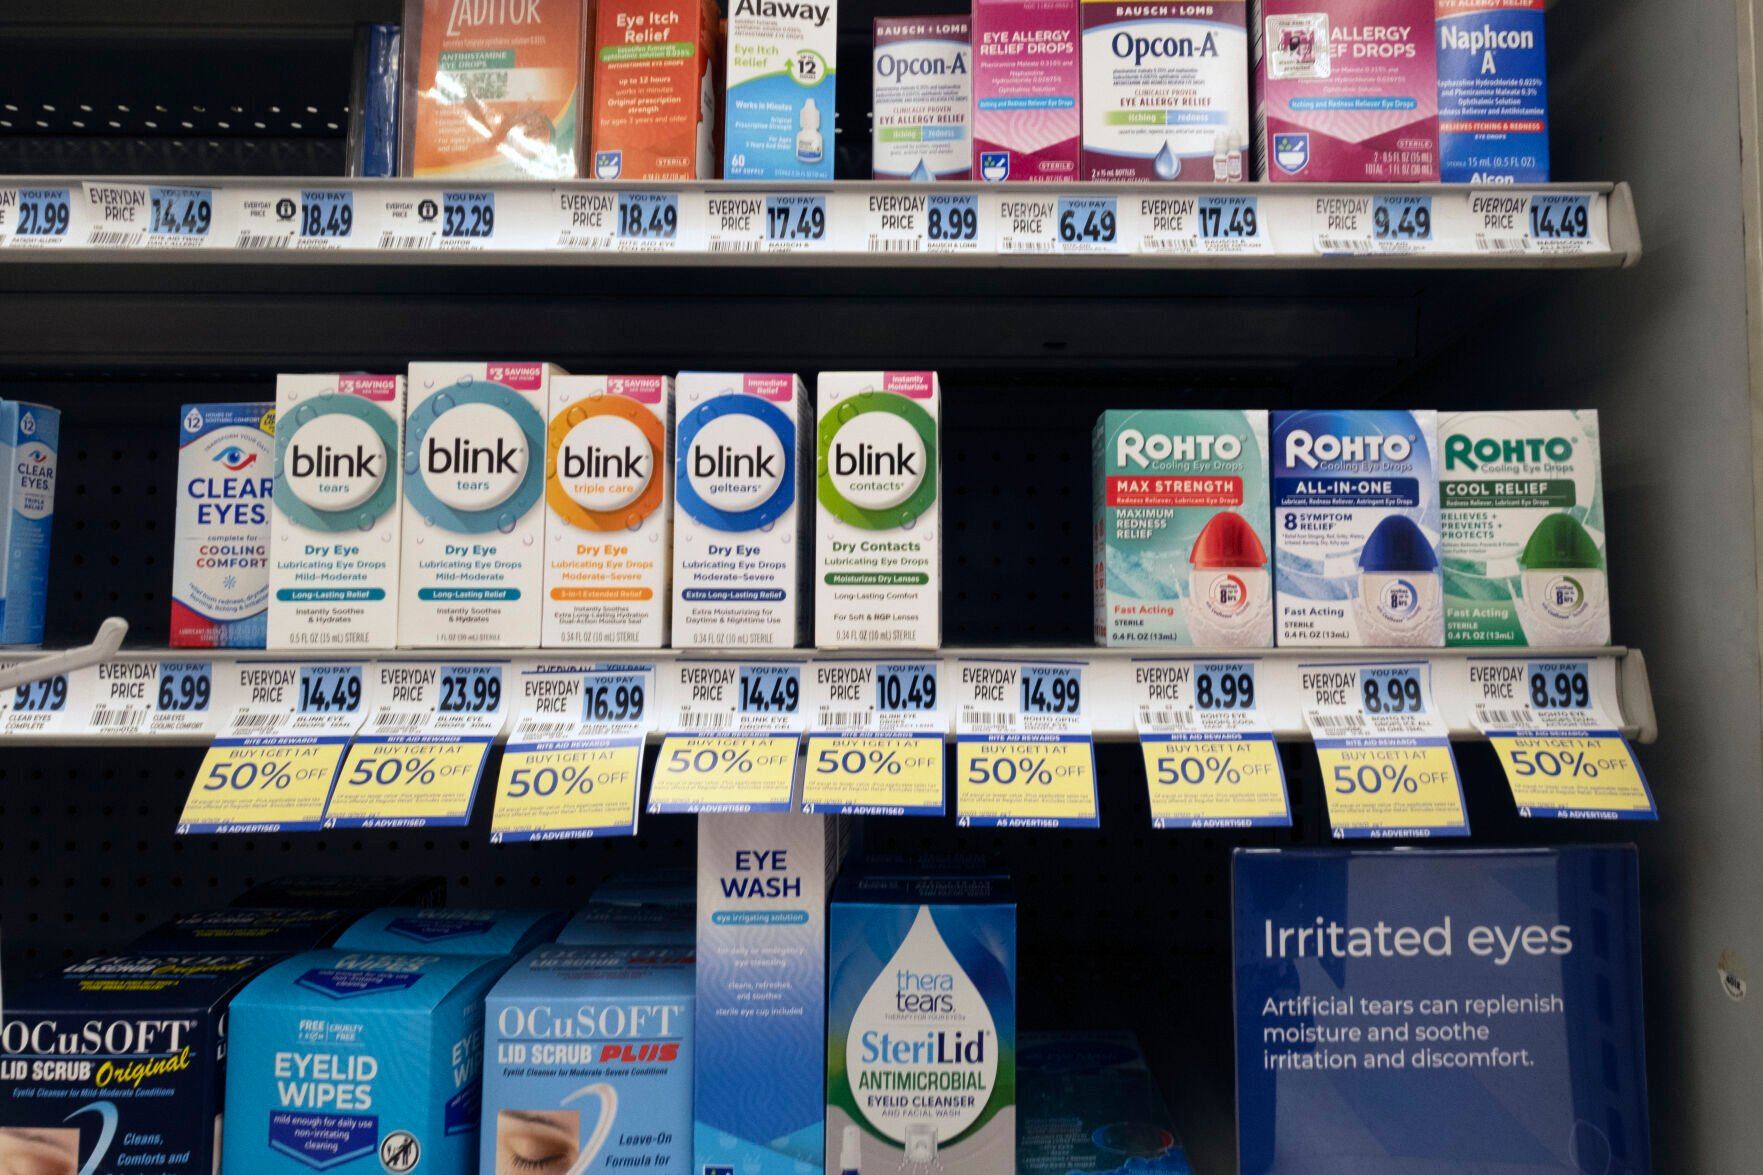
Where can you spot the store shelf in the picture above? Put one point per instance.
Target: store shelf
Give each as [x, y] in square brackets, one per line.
[328, 223]
[1618, 679]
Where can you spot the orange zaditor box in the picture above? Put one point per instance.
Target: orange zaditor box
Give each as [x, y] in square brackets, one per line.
[655, 89]
[497, 88]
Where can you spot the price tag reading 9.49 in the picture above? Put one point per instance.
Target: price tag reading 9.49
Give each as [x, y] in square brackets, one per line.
[1401, 219]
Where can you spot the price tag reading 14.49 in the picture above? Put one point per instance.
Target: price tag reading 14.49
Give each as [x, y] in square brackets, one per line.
[735, 748]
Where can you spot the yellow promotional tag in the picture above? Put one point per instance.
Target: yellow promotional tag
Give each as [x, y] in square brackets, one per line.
[874, 775]
[724, 773]
[274, 787]
[1215, 783]
[1026, 781]
[387, 783]
[1588, 776]
[1392, 790]
[568, 793]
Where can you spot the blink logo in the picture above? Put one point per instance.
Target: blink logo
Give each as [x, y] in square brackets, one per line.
[475, 14]
[334, 462]
[1303, 448]
[458, 455]
[325, 462]
[1133, 447]
[727, 462]
[625, 464]
[867, 460]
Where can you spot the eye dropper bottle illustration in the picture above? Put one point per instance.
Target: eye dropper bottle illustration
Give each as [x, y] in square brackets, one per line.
[1565, 589]
[851, 1151]
[809, 144]
[1400, 593]
[1230, 593]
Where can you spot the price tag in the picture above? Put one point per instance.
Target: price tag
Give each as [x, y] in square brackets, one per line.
[116, 215]
[1373, 225]
[894, 222]
[327, 217]
[1512, 222]
[724, 773]
[36, 218]
[648, 222]
[1561, 223]
[183, 699]
[411, 220]
[876, 747]
[326, 690]
[418, 759]
[574, 773]
[1210, 757]
[48, 705]
[795, 224]
[1088, 224]
[259, 219]
[1564, 758]
[586, 219]
[1024, 756]
[468, 219]
[1232, 224]
[179, 217]
[1387, 767]
[952, 224]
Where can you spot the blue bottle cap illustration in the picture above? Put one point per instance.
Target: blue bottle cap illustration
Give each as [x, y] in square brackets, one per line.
[1397, 545]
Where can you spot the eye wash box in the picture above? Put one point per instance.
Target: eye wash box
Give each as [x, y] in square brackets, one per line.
[608, 487]
[1165, 90]
[762, 891]
[1493, 92]
[360, 1063]
[474, 519]
[30, 438]
[337, 521]
[588, 1062]
[226, 489]
[740, 516]
[1356, 526]
[921, 1032]
[781, 78]
[922, 122]
[1026, 89]
[878, 575]
[1180, 529]
[1523, 547]
[437, 931]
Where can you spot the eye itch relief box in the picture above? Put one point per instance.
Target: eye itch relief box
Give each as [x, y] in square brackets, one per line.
[922, 123]
[117, 1064]
[1180, 532]
[1523, 547]
[1166, 90]
[589, 1063]
[241, 931]
[740, 531]
[922, 998]
[1346, 90]
[1026, 89]
[474, 522]
[782, 63]
[762, 892]
[30, 437]
[608, 558]
[436, 931]
[360, 1063]
[336, 525]
[1493, 92]
[495, 88]
[1355, 526]
[878, 576]
[226, 484]
[655, 89]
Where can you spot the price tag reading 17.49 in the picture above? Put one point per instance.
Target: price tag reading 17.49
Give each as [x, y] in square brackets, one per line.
[1023, 748]
[1210, 757]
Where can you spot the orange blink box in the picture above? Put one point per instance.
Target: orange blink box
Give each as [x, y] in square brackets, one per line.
[655, 89]
[496, 88]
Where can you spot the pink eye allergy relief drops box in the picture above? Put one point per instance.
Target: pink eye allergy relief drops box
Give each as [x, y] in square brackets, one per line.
[1346, 90]
[1026, 86]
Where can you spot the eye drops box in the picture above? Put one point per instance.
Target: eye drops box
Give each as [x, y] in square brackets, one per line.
[1356, 529]
[759, 1075]
[655, 89]
[1180, 529]
[609, 497]
[1026, 90]
[338, 519]
[588, 1057]
[1523, 546]
[1346, 90]
[1493, 92]
[781, 77]
[878, 574]
[474, 514]
[30, 438]
[220, 565]
[922, 122]
[740, 532]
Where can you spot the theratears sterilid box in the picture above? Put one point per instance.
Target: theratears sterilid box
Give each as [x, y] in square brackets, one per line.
[220, 565]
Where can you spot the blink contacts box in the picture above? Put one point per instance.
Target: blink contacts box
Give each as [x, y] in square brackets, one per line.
[220, 563]
[436, 931]
[30, 439]
[118, 1064]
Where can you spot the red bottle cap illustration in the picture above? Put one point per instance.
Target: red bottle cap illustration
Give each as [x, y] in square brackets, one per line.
[1228, 541]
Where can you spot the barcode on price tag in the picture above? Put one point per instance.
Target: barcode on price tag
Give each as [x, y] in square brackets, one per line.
[893, 222]
[585, 220]
[1546, 223]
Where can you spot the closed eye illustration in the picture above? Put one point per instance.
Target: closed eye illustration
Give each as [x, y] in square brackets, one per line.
[537, 1142]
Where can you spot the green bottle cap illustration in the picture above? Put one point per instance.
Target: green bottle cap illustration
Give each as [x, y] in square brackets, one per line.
[1560, 543]
[877, 461]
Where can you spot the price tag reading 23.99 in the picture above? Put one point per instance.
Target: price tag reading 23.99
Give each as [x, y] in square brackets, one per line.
[1023, 749]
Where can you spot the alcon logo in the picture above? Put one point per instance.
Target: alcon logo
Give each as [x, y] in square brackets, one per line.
[893, 68]
[474, 14]
[772, 9]
[1462, 452]
[1303, 448]
[1133, 447]
[1125, 45]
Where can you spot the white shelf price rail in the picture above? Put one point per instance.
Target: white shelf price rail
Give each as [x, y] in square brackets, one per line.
[847, 223]
[189, 695]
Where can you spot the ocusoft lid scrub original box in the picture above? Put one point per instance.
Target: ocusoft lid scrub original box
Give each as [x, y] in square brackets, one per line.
[1026, 90]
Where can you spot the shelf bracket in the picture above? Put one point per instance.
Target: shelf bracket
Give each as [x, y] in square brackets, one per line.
[104, 646]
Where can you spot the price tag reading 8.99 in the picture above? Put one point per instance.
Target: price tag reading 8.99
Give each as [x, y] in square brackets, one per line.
[951, 224]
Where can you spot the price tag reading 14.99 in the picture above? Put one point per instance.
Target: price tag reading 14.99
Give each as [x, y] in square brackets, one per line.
[1023, 749]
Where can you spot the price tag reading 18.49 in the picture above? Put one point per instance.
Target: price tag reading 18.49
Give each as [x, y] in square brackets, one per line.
[1387, 767]
[1210, 758]
[1023, 748]
[734, 745]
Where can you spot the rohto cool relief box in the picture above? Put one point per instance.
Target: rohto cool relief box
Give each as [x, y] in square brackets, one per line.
[922, 122]
[220, 565]
[1026, 89]
[878, 574]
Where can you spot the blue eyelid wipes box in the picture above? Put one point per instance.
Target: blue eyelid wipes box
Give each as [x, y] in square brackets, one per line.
[436, 931]
[358, 1062]
[117, 1064]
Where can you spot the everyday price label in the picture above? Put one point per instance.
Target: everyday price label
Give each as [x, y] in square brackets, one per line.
[754, 222]
[1387, 767]
[1548, 223]
[1024, 755]
[153, 697]
[736, 730]
[1366, 225]
[573, 769]
[1210, 757]
[1564, 758]
[875, 745]
[894, 222]
[36, 218]
[584, 220]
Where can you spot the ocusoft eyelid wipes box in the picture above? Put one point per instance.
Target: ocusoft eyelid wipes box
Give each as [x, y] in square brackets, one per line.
[335, 531]
[1356, 528]
[608, 487]
[474, 519]
[1493, 92]
[740, 520]
[220, 565]
[1027, 73]
[878, 576]
[30, 438]
[781, 74]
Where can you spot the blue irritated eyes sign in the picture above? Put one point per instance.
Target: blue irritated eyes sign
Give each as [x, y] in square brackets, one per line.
[1440, 1011]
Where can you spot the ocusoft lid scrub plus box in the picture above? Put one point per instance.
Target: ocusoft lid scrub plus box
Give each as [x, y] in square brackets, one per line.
[1026, 90]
